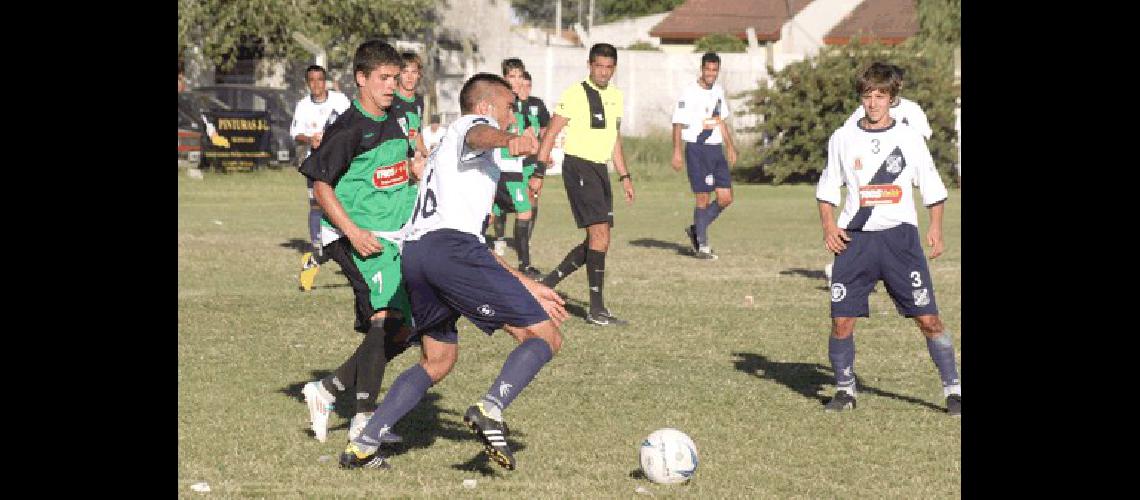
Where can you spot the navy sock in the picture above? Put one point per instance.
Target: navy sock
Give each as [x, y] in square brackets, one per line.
[522, 241]
[699, 225]
[406, 392]
[842, 355]
[712, 212]
[942, 352]
[520, 368]
[596, 276]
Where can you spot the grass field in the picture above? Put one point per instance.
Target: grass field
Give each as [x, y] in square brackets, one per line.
[746, 382]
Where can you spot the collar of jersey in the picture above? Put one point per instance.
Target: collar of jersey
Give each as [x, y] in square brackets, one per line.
[877, 130]
[595, 87]
[406, 99]
[360, 108]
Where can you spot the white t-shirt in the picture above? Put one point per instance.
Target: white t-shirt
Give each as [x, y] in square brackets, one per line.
[459, 184]
[879, 167]
[432, 138]
[906, 112]
[311, 117]
[697, 105]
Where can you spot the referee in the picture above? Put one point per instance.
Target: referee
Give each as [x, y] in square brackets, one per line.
[591, 110]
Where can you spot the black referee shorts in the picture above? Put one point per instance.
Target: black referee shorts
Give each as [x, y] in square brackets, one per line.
[588, 189]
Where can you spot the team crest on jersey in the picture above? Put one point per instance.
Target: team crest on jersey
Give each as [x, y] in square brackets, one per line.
[390, 175]
[709, 179]
[403, 124]
[879, 194]
[894, 162]
[921, 297]
[486, 310]
[681, 105]
[838, 292]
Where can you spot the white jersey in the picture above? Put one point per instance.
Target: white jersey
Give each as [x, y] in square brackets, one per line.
[879, 167]
[311, 117]
[459, 184]
[431, 139]
[906, 112]
[696, 108]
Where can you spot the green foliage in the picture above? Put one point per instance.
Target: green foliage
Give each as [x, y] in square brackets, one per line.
[807, 101]
[641, 45]
[940, 21]
[220, 26]
[719, 42]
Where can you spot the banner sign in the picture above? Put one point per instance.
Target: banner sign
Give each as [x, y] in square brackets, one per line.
[236, 140]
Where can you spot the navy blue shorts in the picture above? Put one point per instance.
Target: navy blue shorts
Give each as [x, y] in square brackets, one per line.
[448, 273]
[707, 167]
[893, 255]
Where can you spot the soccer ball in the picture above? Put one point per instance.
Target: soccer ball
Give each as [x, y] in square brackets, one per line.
[668, 456]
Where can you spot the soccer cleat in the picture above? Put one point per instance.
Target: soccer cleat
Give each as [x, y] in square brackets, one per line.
[319, 409]
[692, 232]
[954, 405]
[354, 458]
[608, 316]
[357, 426]
[706, 255]
[493, 433]
[309, 270]
[500, 247]
[843, 400]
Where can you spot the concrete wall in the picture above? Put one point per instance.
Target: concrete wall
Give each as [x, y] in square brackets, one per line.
[624, 32]
[802, 35]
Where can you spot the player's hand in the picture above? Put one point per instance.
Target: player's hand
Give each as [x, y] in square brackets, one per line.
[315, 140]
[677, 160]
[535, 185]
[364, 242]
[730, 154]
[934, 239]
[550, 301]
[522, 145]
[627, 185]
[835, 239]
[419, 161]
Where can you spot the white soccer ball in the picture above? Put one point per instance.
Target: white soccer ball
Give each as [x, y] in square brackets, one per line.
[668, 456]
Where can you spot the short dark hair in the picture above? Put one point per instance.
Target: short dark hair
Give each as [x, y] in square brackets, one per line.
[709, 57]
[879, 76]
[604, 50]
[373, 54]
[478, 88]
[315, 67]
[412, 57]
[526, 75]
[512, 63]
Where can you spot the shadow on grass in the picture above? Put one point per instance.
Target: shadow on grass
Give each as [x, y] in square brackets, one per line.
[420, 427]
[808, 379]
[812, 274]
[301, 246]
[678, 248]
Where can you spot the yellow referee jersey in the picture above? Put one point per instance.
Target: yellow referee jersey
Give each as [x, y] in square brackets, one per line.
[593, 144]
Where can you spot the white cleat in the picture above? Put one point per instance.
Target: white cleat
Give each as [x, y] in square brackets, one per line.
[319, 409]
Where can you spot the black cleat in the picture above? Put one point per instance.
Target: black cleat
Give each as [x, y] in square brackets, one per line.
[954, 405]
[605, 318]
[353, 458]
[493, 433]
[692, 232]
[531, 272]
[842, 401]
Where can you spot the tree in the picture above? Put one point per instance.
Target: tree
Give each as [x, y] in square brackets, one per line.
[809, 100]
[220, 27]
[719, 42]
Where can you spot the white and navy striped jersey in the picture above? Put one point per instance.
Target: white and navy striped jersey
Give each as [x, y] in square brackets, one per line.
[459, 184]
[696, 106]
[906, 112]
[311, 117]
[878, 167]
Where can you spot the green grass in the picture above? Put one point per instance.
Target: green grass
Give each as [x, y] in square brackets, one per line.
[745, 382]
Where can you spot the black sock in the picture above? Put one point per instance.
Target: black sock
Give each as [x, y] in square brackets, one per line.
[596, 276]
[533, 217]
[370, 363]
[522, 242]
[575, 259]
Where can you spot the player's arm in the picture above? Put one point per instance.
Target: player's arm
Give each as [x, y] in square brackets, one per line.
[678, 155]
[619, 165]
[934, 234]
[362, 240]
[729, 146]
[295, 127]
[557, 123]
[834, 237]
[550, 301]
[933, 193]
[827, 195]
[421, 147]
[482, 137]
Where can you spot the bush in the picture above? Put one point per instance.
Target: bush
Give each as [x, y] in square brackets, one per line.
[719, 42]
[641, 45]
[809, 100]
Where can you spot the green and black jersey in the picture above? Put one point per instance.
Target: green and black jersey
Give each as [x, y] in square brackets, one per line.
[365, 158]
[408, 113]
[536, 116]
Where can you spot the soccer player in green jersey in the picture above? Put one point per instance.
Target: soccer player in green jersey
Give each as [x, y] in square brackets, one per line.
[361, 179]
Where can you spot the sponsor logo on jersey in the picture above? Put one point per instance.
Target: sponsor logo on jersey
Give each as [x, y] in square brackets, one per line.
[879, 194]
[390, 175]
[486, 310]
[921, 297]
[838, 292]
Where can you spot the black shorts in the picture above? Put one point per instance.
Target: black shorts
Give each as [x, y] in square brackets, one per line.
[588, 189]
[893, 255]
[341, 252]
